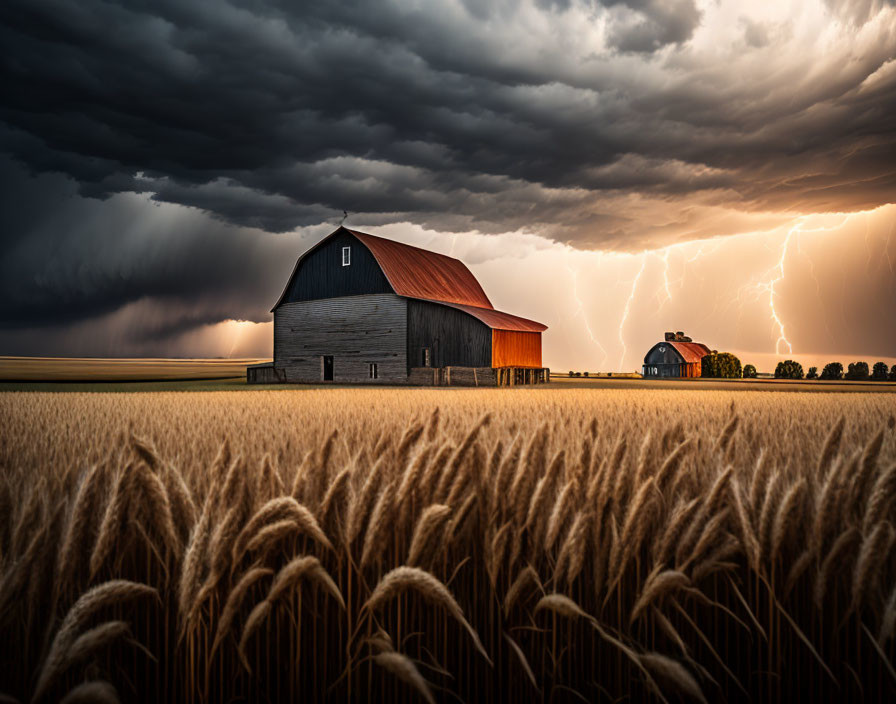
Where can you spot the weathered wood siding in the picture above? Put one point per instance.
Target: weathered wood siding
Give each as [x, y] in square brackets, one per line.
[663, 360]
[453, 337]
[356, 330]
[453, 376]
[321, 274]
[511, 348]
[663, 354]
[262, 374]
[687, 370]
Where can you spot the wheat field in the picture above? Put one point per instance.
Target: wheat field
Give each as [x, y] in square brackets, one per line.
[447, 545]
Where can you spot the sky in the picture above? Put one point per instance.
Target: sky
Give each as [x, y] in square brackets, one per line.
[613, 169]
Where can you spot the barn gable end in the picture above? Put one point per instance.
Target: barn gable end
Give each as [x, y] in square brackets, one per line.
[319, 272]
[672, 358]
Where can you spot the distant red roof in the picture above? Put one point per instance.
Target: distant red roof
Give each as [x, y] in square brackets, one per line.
[419, 273]
[497, 320]
[690, 351]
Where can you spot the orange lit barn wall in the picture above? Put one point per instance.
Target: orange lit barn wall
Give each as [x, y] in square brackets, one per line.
[516, 349]
[692, 370]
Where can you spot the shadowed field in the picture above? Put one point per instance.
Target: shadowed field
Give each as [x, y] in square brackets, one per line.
[89, 369]
[116, 375]
[480, 545]
[789, 385]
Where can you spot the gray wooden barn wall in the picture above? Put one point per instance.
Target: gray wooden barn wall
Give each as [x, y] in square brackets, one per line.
[665, 359]
[356, 330]
[454, 338]
[663, 353]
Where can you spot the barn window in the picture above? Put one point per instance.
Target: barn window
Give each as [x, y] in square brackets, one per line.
[346, 256]
[374, 371]
[425, 358]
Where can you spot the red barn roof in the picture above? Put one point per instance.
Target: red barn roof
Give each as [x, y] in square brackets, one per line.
[690, 351]
[497, 320]
[419, 273]
[413, 272]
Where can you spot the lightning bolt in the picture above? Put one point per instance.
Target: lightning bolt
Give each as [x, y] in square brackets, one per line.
[887, 249]
[766, 286]
[667, 284]
[773, 277]
[628, 305]
[782, 335]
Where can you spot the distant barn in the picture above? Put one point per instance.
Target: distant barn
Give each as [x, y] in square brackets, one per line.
[676, 356]
[361, 308]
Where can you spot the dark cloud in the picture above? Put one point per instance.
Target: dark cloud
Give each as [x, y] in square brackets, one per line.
[646, 26]
[618, 124]
[68, 259]
[275, 114]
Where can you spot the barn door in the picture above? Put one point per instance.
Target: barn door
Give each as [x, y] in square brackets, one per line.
[328, 367]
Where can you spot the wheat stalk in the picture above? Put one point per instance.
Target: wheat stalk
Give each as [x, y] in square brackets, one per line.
[378, 524]
[234, 603]
[526, 576]
[658, 583]
[426, 533]
[406, 578]
[93, 692]
[105, 595]
[404, 668]
[666, 669]
[289, 576]
[112, 522]
[834, 561]
[789, 517]
[875, 546]
[880, 502]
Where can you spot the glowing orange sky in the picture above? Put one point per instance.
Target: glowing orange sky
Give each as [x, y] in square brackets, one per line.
[614, 169]
[808, 290]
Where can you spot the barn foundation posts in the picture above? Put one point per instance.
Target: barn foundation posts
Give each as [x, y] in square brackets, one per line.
[478, 376]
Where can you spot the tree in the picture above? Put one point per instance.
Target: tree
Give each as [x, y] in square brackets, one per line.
[892, 375]
[788, 369]
[879, 373]
[721, 365]
[857, 371]
[812, 373]
[834, 370]
[749, 371]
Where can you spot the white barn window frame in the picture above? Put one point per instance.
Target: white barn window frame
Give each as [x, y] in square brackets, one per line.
[346, 256]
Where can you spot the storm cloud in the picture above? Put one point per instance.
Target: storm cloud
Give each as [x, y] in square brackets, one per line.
[68, 258]
[575, 120]
[164, 161]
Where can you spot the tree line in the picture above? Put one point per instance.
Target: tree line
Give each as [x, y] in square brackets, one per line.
[724, 365]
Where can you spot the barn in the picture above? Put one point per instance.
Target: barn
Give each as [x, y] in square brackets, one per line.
[359, 308]
[676, 356]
